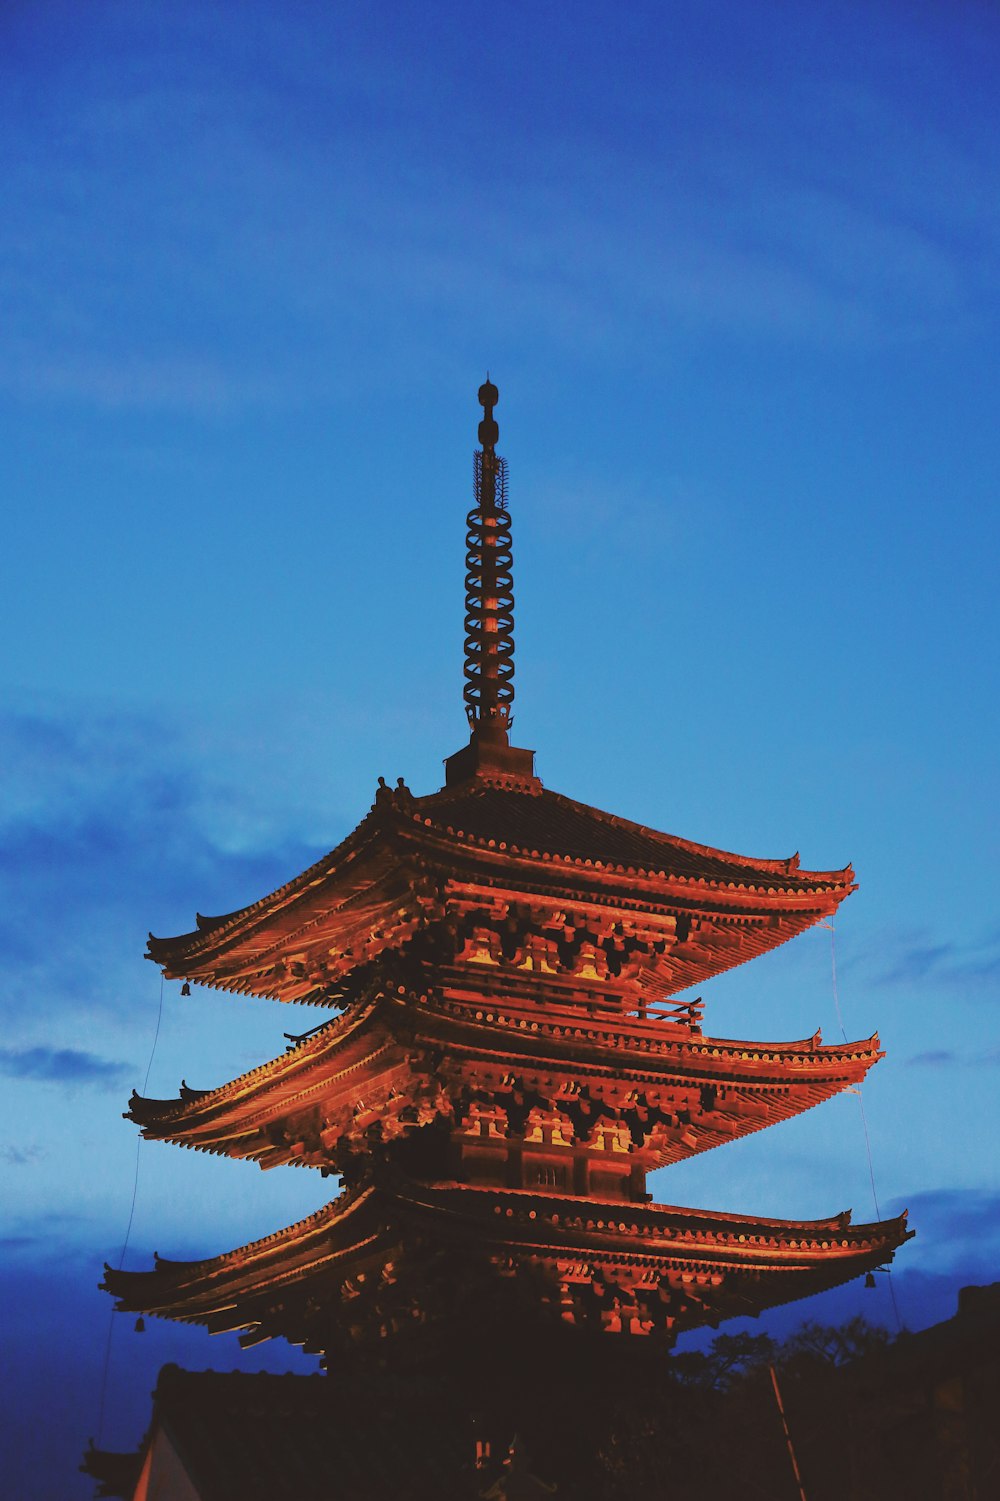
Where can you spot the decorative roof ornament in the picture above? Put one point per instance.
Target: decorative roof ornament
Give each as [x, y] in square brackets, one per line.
[489, 616]
[489, 587]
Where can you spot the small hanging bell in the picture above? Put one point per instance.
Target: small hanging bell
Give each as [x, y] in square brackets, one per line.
[140, 1325]
[185, 988]
[869, 1279]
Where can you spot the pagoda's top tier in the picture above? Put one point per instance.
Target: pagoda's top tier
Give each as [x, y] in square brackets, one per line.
[494, 844]
[494, 869]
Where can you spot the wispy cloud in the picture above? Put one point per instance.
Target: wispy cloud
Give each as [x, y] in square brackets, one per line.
[15, 1156]
[920, 960]
[62, 1066]
[949, 1058]
[322, 233]
[14, 1243]
[958, 1217]
[110, 823]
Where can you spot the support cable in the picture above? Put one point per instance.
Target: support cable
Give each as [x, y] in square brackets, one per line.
[128, 1230]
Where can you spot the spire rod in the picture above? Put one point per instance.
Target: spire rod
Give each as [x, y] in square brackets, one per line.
[489, 588]
[489, 618]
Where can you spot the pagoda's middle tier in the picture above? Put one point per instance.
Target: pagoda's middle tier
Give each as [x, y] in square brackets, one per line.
[516, 1092]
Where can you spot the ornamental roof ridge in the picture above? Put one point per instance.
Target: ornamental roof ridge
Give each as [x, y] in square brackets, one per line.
[602, 1028]
[814, 1043]
[612, 1210]
[690, 1222]
[384, 809]
[171, 1370]
[472, 791]
[347, 1202]
[293, 1057]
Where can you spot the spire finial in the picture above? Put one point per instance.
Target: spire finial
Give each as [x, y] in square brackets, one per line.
[488, 398]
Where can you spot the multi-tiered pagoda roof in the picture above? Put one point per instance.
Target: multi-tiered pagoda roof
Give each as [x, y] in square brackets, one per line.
[508, 1057]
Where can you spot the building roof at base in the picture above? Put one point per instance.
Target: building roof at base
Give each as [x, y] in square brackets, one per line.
[904, 1420]
[263, 1437]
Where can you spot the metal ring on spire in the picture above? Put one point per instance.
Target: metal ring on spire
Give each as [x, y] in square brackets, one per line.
[489, 585]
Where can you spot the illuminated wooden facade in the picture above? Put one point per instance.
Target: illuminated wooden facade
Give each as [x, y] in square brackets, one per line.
[509, 1059]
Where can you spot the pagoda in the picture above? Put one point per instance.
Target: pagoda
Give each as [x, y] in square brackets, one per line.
[509, 1057]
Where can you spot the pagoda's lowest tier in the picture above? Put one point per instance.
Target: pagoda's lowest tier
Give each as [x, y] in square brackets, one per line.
[499, 870]
[389, 1258]
[528, 1093]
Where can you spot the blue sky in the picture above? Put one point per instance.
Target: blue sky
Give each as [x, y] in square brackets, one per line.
[734, 270]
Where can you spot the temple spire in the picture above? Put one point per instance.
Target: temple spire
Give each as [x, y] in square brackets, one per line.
[489, 614]
[489, 588]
